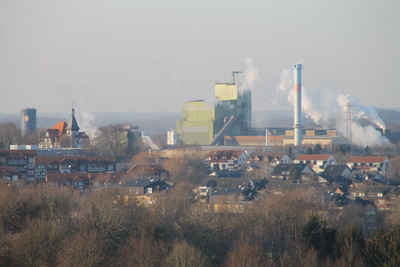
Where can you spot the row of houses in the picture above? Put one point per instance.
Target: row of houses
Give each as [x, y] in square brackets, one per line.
[232, 160]
[32, 167]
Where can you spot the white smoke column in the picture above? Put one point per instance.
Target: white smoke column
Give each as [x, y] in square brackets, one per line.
[87, 123]
[328, 110]
[283, 92]
[252, 74]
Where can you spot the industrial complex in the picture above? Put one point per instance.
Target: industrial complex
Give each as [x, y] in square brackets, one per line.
[229, 121]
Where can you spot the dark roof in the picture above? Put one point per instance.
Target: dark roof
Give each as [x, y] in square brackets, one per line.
[230, 174]
[233, 191]
[278, 155]
[72, 124]
[335, 170]
[276, 184]
[285, 167]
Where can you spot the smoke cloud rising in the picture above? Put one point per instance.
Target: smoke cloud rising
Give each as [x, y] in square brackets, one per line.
[328, 110]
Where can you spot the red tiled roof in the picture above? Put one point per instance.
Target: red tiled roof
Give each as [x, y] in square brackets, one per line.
[312, 157]
[60, 126]
[367, 159]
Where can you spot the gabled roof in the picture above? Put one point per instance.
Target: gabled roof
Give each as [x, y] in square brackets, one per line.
[227, 154]
[285, 167]
[234, 191]
[58, 129]
[312, 157]
[146, 182]
[278, 155]
[335, 170]
[366, 159]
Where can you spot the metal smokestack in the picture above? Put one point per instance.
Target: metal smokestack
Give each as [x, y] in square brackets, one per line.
[297, 104]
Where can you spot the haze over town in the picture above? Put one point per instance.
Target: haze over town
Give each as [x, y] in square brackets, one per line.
[112, 56]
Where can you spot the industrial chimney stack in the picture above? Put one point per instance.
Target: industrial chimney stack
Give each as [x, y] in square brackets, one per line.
[297, 105]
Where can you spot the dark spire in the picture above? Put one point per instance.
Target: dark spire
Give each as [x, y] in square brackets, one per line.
[72, 124]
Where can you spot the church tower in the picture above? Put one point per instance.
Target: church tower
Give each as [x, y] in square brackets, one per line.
[72, 130]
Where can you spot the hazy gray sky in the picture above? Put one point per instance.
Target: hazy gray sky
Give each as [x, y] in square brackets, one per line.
[126, 55]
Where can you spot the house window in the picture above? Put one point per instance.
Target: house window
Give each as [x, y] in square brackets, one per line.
[149, 190]
[361, 194]
[380, 194]
[82, 167]
[110, 167]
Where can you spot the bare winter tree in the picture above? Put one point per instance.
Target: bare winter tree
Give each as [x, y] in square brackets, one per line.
[10, 134]
[112, 141]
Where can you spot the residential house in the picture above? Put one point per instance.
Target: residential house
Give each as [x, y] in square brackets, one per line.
[9, 174]
[337, 171]
[148, 171]
[383, 197]
[271, 158]
[369, 164]
[206, 185]
[281, 187]
[317, 162]
[144, 190]
[84, 181]
[226, 159]
[231, 199]
[282, 171]
[21, 160]
[72, 164]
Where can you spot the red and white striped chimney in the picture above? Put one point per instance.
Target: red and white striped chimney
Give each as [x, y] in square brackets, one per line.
[297, 105]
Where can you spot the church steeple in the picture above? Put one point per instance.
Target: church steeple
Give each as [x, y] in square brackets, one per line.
[72, 124]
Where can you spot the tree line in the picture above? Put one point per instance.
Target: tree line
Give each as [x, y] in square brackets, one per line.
[45, 226]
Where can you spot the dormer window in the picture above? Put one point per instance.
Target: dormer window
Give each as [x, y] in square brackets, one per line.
[215, 159]
[223, 158]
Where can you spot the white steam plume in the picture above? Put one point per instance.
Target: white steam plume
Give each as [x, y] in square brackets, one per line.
[252, 74]
[87, 123]
[328, 110]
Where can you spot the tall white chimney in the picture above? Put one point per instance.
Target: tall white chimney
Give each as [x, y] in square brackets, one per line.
[297, 105]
